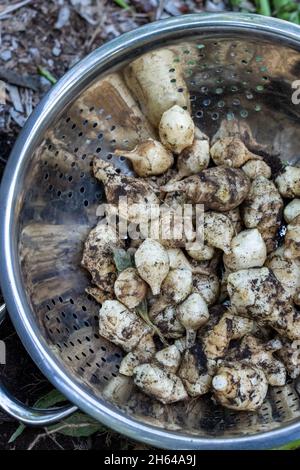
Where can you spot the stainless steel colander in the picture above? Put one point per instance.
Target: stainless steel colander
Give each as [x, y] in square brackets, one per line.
[241, 74]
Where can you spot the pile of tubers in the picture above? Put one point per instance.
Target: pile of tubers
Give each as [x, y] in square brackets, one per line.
[223, 318]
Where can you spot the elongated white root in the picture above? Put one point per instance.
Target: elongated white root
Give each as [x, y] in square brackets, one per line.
[154, 79]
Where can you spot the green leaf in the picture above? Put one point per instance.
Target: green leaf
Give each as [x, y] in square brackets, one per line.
[142, 311]
[77, 425]
[278, 4]
[291, 446]
[123, 259]
[47, 401]
[17, 433]
[122, 4]
[46, 74]
[263, 7]
[50, 399]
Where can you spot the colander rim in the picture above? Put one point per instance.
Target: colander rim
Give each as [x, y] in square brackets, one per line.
[50, 107]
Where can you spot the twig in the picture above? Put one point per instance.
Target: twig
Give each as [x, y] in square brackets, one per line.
[14, 7]
[53, 431]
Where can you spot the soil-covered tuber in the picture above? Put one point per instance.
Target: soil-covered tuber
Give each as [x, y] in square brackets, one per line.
[129, 288]
[158, 383]
[288, 182]
[255, 168]
[258, 293]
[121, 326]
[218, 188]
[240, 387]
[232, 152]
[247, 250]
[262, 210]
[149, 158]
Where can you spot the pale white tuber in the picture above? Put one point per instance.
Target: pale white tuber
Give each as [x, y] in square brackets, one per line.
[192, 313]
[288, 182]
[205, 253]
[149, 158]
[255, 168]
[208, 286]
[155, 78]
[262, 210]
[232, 152]
[291, 210]
[98, 259]
[152, 263]
[176, 129]
[121, 326]
[218, 230]
[157, 383]
[247, 250]
[286, 270]
[195, 158]
[168, 359]
[177, 285]
[130, 289]
[292, 239]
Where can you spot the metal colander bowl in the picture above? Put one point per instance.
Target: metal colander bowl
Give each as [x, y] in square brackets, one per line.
[239, 70]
